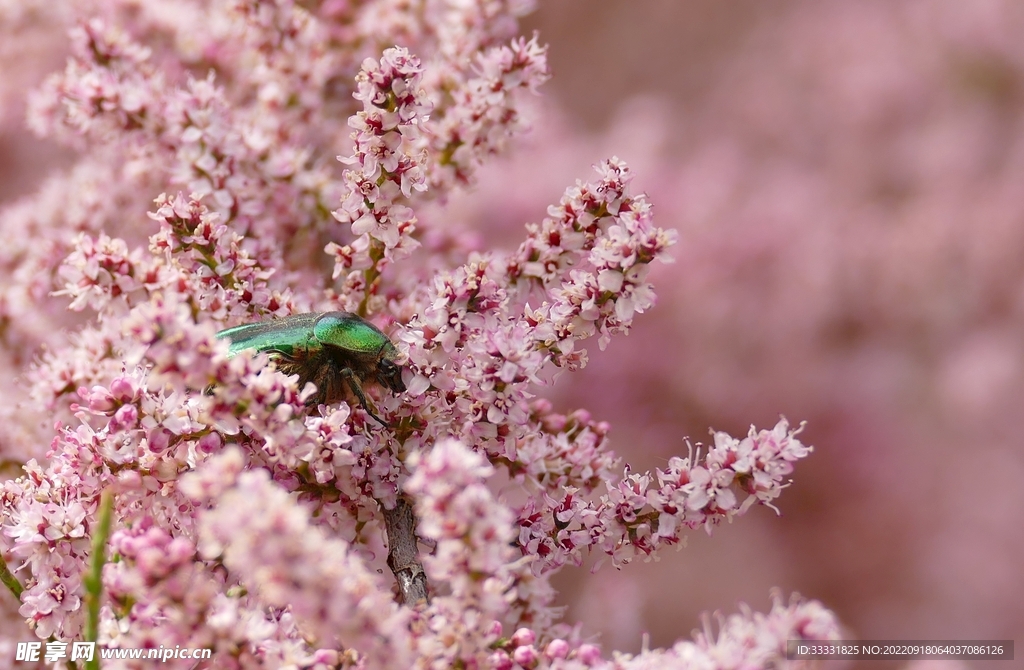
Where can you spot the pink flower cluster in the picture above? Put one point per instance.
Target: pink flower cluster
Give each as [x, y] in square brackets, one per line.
[642, 512]
[482, 113]
[285, 561]
[386, 131]
[243, 519]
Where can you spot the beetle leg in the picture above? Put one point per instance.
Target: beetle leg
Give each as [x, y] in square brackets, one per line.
[323, 381]
[353, 383]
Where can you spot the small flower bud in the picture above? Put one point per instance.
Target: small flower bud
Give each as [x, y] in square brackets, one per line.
[523, 637]
[526, 656]
[500, 660]
[557, 649]
[589, 654]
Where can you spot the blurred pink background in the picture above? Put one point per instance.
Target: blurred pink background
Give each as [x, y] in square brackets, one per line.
[848, 184]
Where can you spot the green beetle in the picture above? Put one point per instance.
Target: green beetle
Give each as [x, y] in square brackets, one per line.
[338, 351]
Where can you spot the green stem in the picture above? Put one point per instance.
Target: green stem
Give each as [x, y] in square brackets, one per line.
[371, 274]
[9, 580]
[94, 579]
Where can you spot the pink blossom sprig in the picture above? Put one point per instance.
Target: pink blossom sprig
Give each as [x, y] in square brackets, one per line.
[39, 237]
[385, 174]
[483, 348]
[294, 61]
[209, 256]
[193, 256]
[482, 362]
[473, 74]
[745, 640]
[255, 169]
[643, 512]
[99, 270]
[109, 86]
[261, 181]
[483, 111]
[162, 593]
[591, 255]
[474, 558]
[567, 451]
[48, 538]
[288, 562]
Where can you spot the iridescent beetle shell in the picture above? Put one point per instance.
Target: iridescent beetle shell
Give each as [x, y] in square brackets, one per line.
[340, 352]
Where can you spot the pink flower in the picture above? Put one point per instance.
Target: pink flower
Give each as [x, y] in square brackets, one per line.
[52, 605]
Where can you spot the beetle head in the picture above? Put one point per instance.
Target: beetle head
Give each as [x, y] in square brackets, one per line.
[389, 373]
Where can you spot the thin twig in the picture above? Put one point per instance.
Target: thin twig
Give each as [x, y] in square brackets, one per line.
[403, 554]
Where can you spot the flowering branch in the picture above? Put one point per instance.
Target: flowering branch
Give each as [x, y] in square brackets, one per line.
[641, 513]
[247, 521]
